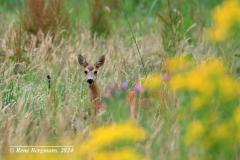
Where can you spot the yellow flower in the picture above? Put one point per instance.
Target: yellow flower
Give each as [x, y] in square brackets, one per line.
[179, 63]
[178, 82]
[152, 82]
[206, 80]
[108, 135]
[200, 78]
[96, 146]
[195, 131]
[224, 17]
[222, 131]
[237, 115]
[229, 88]
[198, 102]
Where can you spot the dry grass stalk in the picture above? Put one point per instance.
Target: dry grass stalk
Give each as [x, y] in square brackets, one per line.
[45, 16]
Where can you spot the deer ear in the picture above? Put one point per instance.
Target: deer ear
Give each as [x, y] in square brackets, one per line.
[82, 61]
[100, 61]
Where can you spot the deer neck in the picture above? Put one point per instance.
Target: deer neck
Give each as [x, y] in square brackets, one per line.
[95, 96]
[94, 91]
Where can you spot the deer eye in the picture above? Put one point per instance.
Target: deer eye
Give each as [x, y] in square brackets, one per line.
[95, 72]
[85, 72]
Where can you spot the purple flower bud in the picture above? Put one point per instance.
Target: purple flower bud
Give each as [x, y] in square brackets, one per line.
[123, 85]
[166, 77]
[114, 88]
[137, 87]
[110, 90]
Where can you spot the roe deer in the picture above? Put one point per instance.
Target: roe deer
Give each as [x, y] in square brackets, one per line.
[91, 77]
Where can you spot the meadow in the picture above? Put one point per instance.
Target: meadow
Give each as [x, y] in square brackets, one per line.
[170, 82]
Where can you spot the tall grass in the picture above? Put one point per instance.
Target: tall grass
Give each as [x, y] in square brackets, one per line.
[31, 113]
[45, 16]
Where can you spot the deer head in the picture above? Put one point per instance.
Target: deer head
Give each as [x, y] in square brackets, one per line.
[91, 70]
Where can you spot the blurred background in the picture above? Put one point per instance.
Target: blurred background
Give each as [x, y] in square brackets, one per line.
[115, 12]
[170, 79]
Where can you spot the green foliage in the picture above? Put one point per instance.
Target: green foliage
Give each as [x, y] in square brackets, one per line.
[31, 113]
[11, 4]
[117, 108]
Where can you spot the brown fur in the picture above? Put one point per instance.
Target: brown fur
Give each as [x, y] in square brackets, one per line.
[95, 95]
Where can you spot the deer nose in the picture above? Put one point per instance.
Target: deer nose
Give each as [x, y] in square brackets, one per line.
[90, 81]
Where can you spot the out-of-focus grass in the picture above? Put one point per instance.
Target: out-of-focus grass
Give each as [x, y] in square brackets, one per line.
[31, 113]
